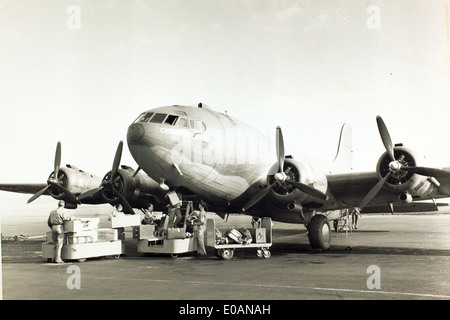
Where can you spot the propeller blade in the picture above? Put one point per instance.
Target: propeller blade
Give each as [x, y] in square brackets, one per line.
[255, 199]
[385, 137]
[136, 172]
[424, 171]
[89, 193]
[373, 192]
[308, 190]
[57, 160]
[280, 149]
[126, 206]
[117, 159]
[37, 194]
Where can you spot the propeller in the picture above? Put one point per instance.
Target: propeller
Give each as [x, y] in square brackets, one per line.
[395, 166]
[280, 176]
[54, 182]
[109, 184]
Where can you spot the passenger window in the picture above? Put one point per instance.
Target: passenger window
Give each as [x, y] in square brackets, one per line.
[192, 124]
[171, 119]
[158, 118]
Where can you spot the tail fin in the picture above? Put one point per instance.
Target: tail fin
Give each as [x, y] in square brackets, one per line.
[343, 162]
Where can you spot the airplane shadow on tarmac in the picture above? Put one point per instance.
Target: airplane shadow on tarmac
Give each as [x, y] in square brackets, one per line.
[283, 248]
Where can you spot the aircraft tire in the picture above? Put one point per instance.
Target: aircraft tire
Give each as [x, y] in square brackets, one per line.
[319, 231]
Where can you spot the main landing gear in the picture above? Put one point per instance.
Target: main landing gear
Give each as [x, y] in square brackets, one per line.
[319, 232]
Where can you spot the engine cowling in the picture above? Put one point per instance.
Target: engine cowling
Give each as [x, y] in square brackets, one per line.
[74, 180]
[402, 181]
[137, 190]
[300, 172]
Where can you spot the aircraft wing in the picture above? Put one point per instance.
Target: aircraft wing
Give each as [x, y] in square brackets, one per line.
[351, 189]
[28, 188]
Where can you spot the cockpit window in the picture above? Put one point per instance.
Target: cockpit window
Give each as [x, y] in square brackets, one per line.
[171, 119]
[182, 122]
[144, 117]
[158, 118]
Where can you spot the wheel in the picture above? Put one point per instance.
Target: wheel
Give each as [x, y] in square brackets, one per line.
[226, 254]
[117, 256]
[259, 253]
[174, 256]
[319, 232]
[82, 260]
[266, 254]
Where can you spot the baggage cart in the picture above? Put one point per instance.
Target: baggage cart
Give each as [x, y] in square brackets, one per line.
[261, 240]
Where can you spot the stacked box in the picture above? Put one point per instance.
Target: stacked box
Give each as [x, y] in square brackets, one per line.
[258, 235]
[80, 237]
[84, 239]
[145, 231]
[127, 220]
[106, 234]
[81, 224]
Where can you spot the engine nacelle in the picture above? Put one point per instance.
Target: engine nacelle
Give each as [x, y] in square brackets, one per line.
[75, 180]
[137, 190]
[402, 181]
[301, 172]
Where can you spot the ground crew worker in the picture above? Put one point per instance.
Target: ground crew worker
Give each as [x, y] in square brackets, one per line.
[118, 212]
[355, 217]
[200, 228]
[149, 216]
[175, 216]
[55, 222]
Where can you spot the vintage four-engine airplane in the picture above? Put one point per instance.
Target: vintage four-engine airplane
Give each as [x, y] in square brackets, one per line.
[207, 155]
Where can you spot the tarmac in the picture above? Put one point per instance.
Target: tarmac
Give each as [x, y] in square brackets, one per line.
[389, 257]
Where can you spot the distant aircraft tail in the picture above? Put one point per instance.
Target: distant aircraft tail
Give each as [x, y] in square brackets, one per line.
[343, 162]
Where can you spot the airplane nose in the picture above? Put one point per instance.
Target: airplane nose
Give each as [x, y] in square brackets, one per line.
[135, 132]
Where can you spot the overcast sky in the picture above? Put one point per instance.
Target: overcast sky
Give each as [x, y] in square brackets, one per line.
[80, 72]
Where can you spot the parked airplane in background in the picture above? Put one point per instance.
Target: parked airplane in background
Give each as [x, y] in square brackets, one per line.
[206, 155]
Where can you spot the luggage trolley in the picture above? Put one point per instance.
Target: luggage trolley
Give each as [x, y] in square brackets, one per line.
[261, 240]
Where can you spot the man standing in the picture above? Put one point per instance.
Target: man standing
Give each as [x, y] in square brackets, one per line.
[56, 222]
[200, 227]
